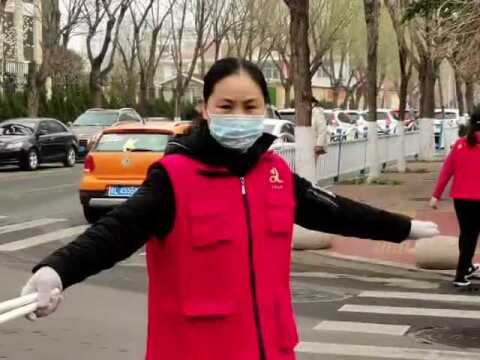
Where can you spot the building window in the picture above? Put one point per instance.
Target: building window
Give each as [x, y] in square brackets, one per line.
[271, 72]
[28, 38]
[9, 38]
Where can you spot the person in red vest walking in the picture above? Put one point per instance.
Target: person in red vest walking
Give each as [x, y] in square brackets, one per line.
[463, 164]
[216, 214]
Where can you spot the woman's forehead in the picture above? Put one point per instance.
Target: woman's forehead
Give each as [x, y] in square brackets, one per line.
[237, 87]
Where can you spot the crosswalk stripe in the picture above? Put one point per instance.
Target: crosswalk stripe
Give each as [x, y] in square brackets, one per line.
[380, 352]
[411, 311]
[362, 327]
[2, 217]
[28, 225]
[43, 239]
[421, 296]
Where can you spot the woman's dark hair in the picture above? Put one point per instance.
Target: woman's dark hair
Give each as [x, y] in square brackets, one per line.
[230, 66]
[473, 126]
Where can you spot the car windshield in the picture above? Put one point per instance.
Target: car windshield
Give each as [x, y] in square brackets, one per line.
[288, 116]
[132, 142]
[96, 119]
[345, 118]
[448, 116]
[18, 129]
[354, 116]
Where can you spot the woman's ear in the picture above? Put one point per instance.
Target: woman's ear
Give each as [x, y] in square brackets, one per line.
[204, 111]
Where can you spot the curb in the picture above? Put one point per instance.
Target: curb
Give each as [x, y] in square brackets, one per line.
[439, 274]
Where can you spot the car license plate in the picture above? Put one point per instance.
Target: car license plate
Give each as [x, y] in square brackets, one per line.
[122, 191]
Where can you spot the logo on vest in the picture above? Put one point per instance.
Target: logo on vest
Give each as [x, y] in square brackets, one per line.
[275, 179]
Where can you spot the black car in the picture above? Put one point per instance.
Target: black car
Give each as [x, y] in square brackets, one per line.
[31, 141]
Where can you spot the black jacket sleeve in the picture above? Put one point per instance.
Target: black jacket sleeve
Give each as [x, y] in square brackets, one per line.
[320, 210]
[150, 211]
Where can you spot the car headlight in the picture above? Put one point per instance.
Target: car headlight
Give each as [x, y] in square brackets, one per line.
[14, 146]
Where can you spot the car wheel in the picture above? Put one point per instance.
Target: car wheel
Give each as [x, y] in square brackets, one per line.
[70, 157]
[31, 161]
[92, 215]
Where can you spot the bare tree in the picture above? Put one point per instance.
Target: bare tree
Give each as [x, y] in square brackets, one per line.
[457, 39]
[147, 30]
[372, 13]
[39, 73]
[300, 59]
[104, 19]
[201, 13]
[127, 49]
[395, 9]
[327, 20]
[250, 36]
[72, 19]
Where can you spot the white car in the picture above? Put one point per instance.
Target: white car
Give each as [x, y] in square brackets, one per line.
[360, 119]
[287, 114]
[386, 121]
[340, 125]
[284, 130]
[445, 118]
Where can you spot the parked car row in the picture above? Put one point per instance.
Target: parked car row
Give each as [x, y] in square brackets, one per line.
[28, 142]
[348, 125]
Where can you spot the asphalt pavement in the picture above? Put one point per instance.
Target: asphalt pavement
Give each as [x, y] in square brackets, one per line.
[344, 309]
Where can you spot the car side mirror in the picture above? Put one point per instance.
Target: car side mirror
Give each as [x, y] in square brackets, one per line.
[42, 133]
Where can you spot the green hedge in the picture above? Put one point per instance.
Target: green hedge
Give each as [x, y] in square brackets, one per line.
[66, 106]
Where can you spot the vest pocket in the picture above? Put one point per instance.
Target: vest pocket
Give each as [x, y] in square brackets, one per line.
[280, 215]
[208, 288]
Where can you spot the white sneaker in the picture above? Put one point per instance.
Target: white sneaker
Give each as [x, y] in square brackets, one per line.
[472, 270]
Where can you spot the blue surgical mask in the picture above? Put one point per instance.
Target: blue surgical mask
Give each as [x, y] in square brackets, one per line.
[237, 132]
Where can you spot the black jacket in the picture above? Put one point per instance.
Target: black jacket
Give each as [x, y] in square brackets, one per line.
[151, 211]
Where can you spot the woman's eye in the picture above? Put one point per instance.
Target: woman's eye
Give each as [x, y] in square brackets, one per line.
[225, 107]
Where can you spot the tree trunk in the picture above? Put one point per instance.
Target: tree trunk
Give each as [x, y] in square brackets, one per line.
[372, 9]
[203, 65]
[427, 79]
[404, 80]
[36, 83]
[460, 97]
[143, 94]
[299, 26]
[470, 95]
[288, 95]
[96, 91]
[300, 65]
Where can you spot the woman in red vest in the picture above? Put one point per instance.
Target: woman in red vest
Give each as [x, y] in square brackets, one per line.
[463, 164]
[216, 215]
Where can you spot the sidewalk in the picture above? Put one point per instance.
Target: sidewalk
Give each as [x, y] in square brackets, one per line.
[410, 198]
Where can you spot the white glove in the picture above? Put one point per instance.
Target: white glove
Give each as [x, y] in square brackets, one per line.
[423, 229]
[44, 281]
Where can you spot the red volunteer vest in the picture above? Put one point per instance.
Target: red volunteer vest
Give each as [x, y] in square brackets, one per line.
[219, 283]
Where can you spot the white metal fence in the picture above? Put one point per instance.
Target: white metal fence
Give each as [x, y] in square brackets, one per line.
[350, 157]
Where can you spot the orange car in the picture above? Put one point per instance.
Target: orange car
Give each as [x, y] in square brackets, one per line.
[118, 162]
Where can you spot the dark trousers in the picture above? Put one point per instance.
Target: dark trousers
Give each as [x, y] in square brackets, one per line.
[468, 215]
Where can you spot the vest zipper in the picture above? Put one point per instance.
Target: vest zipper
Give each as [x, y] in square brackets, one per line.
[253, 284]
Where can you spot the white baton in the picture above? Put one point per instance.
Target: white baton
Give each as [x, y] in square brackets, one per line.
[21, 306]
